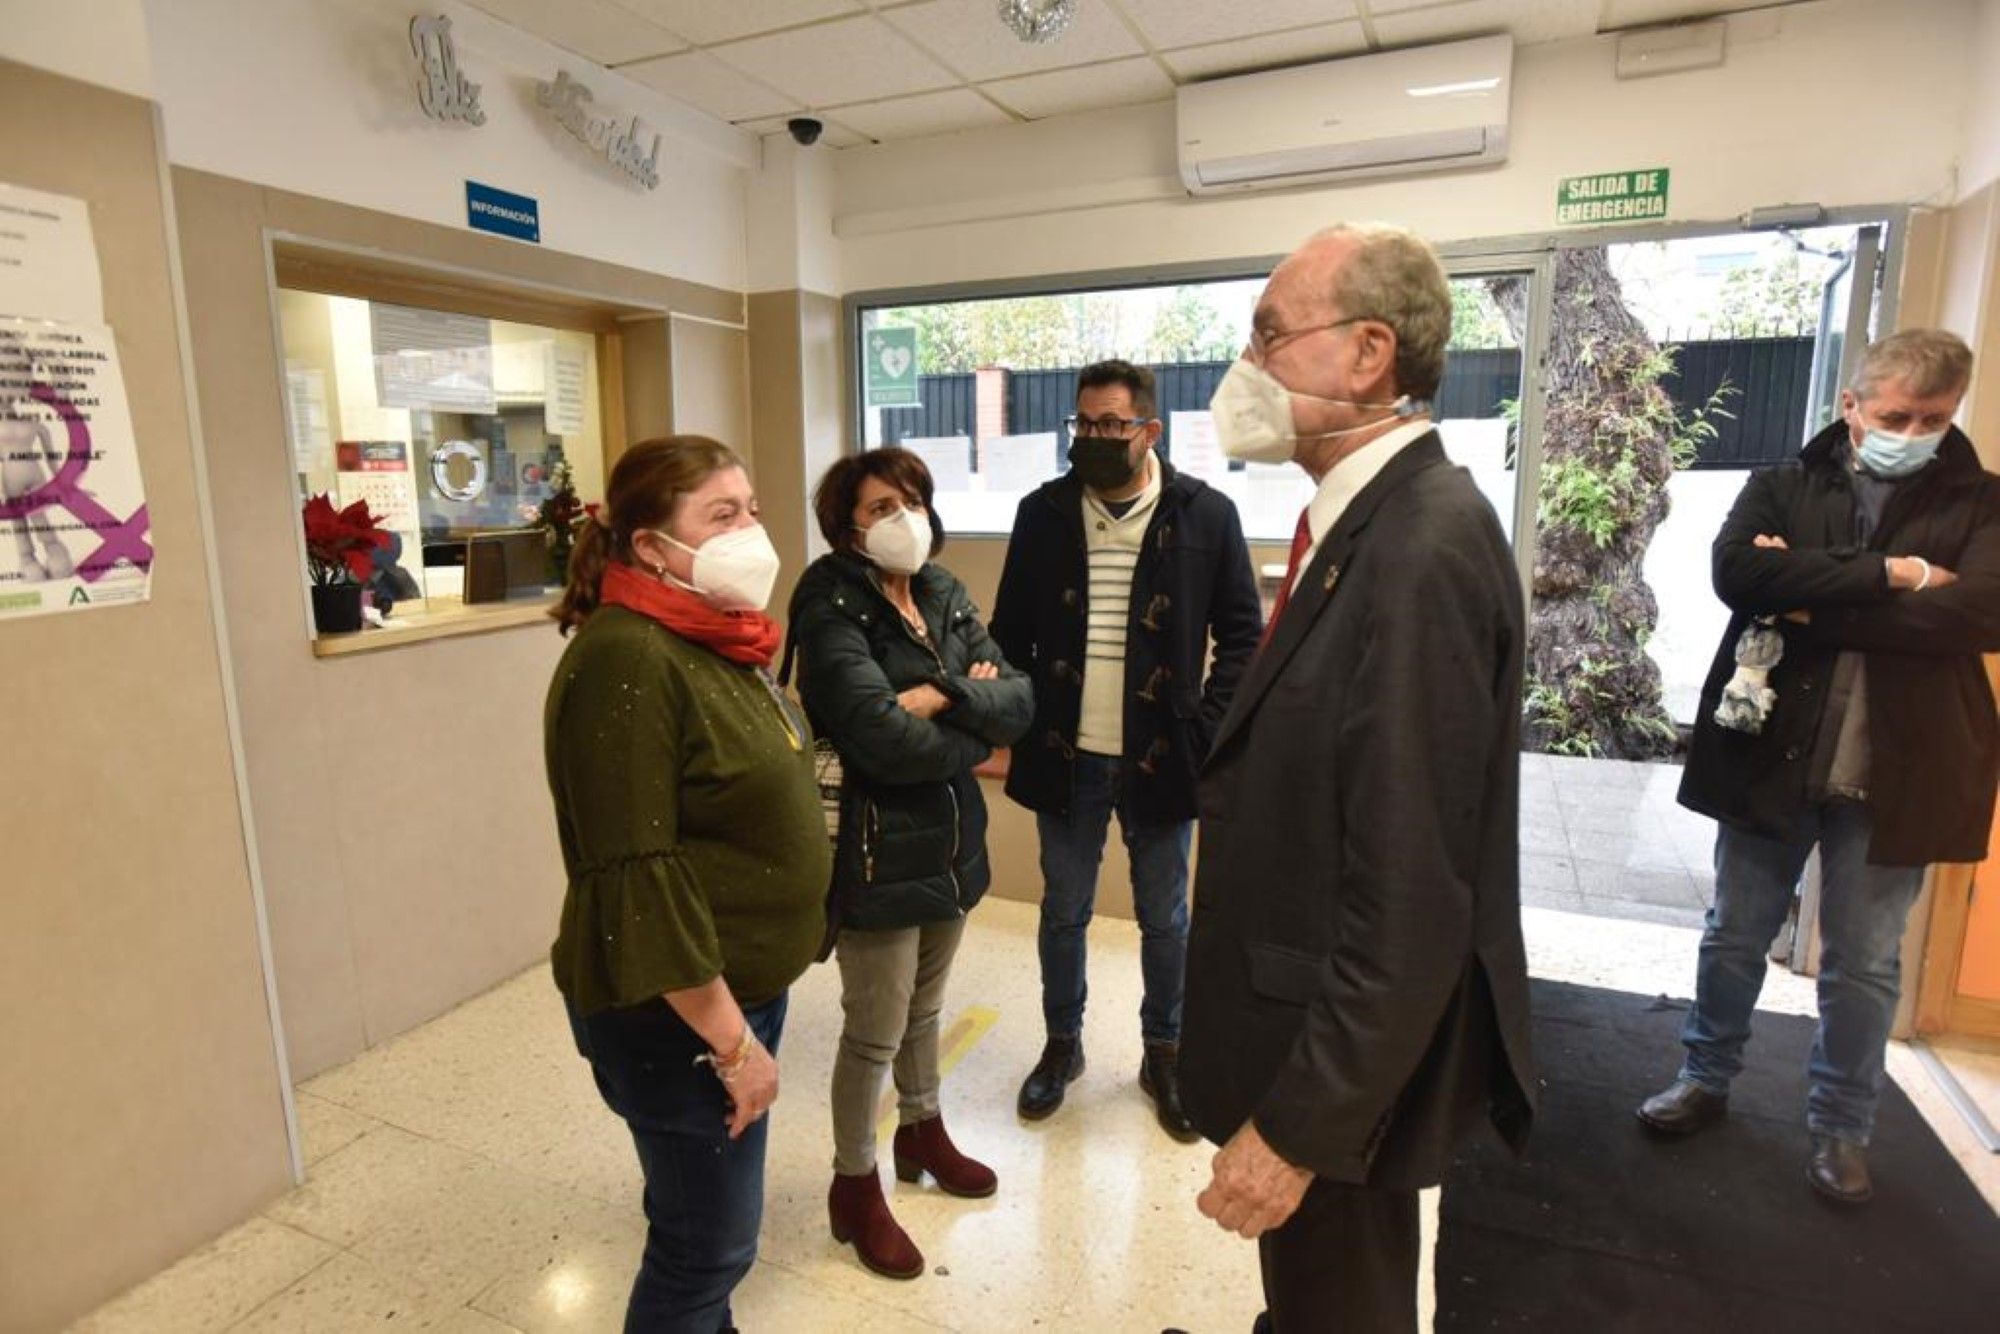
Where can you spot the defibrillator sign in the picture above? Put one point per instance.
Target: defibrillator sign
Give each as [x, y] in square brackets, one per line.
[1615, 196]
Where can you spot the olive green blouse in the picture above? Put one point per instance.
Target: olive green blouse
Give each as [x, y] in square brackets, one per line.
[689, 818]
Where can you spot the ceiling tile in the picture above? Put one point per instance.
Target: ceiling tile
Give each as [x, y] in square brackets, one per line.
[1631, 13]
[930, 113]
[595, 29]
[832, 134]
[1120, 83]
[1325, 42]
[1169, 23]
[708, 21]
[969, 36]
[852, 60]
[700, 80]
[1528, 20]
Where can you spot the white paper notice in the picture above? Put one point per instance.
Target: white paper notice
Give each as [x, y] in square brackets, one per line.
[74, 530]
[949, 457]
[1273, 495]
[48, 261]
[1017, 464]
[568, 373]
[312, 439]
[432, 359]
[1196, 452]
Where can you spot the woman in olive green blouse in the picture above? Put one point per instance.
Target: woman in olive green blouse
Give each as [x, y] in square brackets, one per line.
[696, 852]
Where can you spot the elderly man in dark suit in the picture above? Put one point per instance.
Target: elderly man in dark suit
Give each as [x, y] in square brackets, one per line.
[1357, 989]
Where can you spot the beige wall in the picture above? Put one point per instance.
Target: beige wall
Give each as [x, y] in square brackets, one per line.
[403, 827]
[139, 1087]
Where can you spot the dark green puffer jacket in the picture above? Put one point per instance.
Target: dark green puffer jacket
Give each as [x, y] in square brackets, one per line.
[913, 820]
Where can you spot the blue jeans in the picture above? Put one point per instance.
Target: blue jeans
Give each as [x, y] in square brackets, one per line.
[1862, 912]
[1072, 851]
[704, 1191]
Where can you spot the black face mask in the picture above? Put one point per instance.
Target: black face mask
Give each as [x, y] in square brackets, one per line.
[1103, 462]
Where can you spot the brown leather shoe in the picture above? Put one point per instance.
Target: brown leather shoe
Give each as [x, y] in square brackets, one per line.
[1838, 1169]
[923, 1146]
[1683, 1108]
[859, 1214]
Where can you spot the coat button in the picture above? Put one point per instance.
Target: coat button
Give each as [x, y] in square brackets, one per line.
[1069, 597]
[1805, 685]
[1791, 752]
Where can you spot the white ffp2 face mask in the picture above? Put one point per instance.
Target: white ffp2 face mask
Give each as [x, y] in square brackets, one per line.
[1253, 414]
[734, 571]
[899, 543]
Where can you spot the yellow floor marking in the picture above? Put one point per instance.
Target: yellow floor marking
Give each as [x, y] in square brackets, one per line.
[972, 1024]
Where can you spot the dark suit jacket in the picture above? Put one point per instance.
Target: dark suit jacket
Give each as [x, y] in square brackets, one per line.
[1355, 978]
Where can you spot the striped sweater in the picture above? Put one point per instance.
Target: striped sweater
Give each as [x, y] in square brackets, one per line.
[1113, 542]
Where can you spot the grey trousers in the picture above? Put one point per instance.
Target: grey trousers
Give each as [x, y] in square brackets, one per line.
[891, 990]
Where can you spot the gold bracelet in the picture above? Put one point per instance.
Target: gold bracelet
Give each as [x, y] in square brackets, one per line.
[726, 1067]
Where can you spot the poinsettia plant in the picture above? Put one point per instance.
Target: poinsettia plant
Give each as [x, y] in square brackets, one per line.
[341, 544]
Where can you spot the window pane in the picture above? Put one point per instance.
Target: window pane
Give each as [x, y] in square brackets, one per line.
[988, 383]
[455, 429]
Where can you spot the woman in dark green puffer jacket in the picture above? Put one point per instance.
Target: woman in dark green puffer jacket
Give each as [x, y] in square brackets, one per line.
[897, 671]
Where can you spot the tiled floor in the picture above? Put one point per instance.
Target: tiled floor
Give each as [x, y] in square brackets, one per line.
[1605, 837]
[465, 1177]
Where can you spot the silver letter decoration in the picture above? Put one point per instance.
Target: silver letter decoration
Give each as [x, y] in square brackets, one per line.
[442, 90]
[569, 103]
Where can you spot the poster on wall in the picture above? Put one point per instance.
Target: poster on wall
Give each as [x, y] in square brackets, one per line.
[432, 359]
[74, 529]
[48, 260]
[312, 444]
[949, 457]
[565, 376]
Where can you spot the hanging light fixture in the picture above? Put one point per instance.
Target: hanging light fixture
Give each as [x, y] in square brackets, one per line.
[1037, 20]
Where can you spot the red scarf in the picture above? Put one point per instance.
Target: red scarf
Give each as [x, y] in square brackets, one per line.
[747, 637]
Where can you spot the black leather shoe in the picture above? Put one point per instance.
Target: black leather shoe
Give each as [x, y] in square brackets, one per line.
[1682, 1109]
[1159, 1076]
[1042, 1093]
[1838, 1170]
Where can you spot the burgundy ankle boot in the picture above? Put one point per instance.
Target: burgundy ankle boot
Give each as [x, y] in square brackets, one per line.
[859, 1214]
[923, 1146]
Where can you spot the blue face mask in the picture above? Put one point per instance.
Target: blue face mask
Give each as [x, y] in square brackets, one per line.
[1888, 455]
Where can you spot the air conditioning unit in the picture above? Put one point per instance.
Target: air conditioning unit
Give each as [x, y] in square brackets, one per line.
[1433, 108]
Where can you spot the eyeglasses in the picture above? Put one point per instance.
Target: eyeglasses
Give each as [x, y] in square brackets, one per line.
[1102, 427]
[1263, 343]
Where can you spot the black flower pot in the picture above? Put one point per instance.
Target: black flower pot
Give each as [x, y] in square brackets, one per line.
[336, 608]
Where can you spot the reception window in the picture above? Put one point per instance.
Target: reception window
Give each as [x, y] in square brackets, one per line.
[473, 440]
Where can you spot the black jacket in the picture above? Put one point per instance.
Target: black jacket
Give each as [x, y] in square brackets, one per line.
[1356, 980]
[1192, 583]
[913, 822]
[1934, 746]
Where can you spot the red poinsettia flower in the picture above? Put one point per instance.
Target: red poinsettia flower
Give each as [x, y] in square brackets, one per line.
[341, 544]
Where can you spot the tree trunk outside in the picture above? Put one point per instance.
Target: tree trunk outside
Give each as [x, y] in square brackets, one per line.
[1607, 454]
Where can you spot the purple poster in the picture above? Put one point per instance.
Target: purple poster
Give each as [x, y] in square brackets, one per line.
[74, 532]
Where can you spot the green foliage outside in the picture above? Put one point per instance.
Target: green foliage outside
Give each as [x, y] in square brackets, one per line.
[1038, 332]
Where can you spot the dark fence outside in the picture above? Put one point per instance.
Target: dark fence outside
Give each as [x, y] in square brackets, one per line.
[1771, 379]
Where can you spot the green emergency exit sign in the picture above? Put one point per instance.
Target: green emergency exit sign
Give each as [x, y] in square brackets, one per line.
[1612, 196]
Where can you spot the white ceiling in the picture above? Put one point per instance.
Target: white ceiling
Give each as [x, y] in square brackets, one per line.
[895, 69]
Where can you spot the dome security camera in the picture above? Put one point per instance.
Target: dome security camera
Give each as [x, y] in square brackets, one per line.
[805, 129]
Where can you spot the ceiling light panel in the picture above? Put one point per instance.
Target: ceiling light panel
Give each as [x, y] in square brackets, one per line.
[700, 80]
[853, 60]
[1120, 83]
[711, 21]
[969, 36]
[1325, 42]
[1171, 23]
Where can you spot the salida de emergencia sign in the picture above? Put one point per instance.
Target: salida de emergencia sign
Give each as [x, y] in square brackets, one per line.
[1612, 196]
